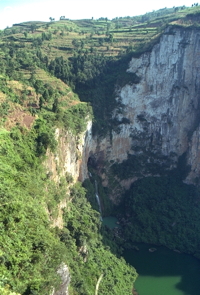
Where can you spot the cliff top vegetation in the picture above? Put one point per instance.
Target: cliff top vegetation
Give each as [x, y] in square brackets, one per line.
[103, 36]
[58, 74]
[42, 61]
[54, 59]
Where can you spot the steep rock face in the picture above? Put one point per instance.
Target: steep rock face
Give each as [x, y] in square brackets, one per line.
[63, 271]
[161, 112]
[68, 156]
[158, 118]
[165, 104]
[194, 158]
[67, 161]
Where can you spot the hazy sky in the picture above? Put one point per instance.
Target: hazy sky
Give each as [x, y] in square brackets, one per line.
[14, 11]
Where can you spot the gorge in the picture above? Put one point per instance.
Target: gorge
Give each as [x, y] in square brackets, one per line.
[160, 133]
[125, 145]
[161, 112]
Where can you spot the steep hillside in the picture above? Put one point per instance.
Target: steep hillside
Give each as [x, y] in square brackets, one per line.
[47, 225]
[108, 103]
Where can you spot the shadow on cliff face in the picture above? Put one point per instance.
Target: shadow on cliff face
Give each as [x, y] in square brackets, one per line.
[182, 167]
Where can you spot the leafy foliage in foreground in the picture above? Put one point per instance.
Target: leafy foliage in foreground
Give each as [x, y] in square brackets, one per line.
[93, 258]
[31, 249]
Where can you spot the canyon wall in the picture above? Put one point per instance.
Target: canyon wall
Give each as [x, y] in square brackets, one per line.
[68, 158]
[161, 112]
[68, 162]
[159, 120]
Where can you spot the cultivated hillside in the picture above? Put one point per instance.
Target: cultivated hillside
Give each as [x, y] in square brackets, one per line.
[65, 107]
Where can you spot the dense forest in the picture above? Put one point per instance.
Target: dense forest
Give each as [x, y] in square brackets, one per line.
[61, 75]
[30, 247]
[166, 212]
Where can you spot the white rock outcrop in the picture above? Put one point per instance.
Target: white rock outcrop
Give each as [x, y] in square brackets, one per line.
[64, 274]
[162, 111]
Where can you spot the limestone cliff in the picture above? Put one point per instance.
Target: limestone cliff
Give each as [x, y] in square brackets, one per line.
[161, 112]
[67, 161]
[158, 120]
[68, 156]
[63, 271]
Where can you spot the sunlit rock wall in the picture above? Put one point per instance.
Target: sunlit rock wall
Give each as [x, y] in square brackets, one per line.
[63, 271]
[162, 110]
[67, 162]
[159, 116]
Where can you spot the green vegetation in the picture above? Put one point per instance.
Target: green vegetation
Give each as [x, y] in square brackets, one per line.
[159, 210]
[33, 102]
[31, 249]
[163, 211]
[41, 66]
[93, 258]
[106, 204]
[89, 55]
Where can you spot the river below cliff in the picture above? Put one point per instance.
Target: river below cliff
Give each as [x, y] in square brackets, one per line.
[164, 272]
[110, 222]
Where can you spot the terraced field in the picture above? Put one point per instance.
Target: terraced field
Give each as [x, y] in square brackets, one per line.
[78, 52]
[107, 37]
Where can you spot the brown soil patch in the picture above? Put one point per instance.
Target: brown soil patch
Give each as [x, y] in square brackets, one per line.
[21, 118]
[2, 97]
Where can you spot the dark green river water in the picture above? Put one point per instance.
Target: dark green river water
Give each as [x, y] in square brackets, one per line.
[111, 222]
[162, 272]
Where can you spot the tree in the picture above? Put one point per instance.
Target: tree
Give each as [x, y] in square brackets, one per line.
[111, 38]
[33, 28]
[32, 78]
[75, 43]
[46, 95]
[55, 105]
[39, 87]
[41, 102]
[101, 40]
[82, 44]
